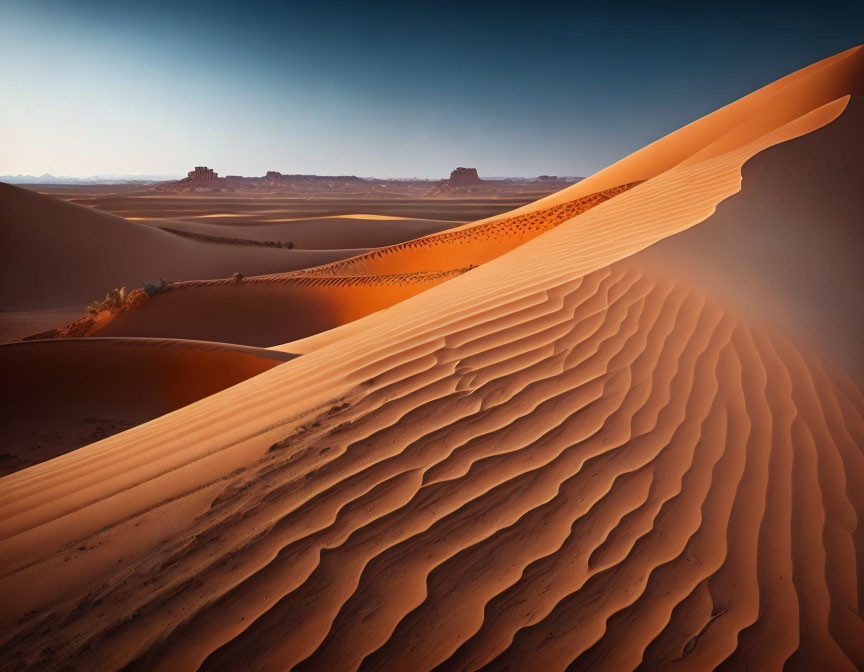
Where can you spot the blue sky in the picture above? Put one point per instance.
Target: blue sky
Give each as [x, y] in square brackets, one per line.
[391, 89]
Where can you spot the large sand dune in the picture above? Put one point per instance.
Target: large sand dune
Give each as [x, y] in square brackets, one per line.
[583, 454]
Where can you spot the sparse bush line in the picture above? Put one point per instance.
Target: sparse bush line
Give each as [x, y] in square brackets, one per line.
[119, 298]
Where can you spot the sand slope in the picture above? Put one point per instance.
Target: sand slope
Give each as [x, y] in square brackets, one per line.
[60, 254]
[572, 457]
[323, 233]
[60, 395]
[269, 310]
[788, 249]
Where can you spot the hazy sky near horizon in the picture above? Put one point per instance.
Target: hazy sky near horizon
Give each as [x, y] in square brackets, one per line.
[390, 89]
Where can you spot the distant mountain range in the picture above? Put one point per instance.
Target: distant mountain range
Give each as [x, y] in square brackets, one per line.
[463, 182]
[47, 178]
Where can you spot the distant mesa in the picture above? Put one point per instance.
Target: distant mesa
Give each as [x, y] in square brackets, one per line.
[206, 178]
[464, 177]
[202, 175]
[462, 182]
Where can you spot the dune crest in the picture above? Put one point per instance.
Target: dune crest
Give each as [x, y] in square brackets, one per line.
[579, 455]
[730, 127]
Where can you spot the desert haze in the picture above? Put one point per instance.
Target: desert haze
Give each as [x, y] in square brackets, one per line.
[617, 426]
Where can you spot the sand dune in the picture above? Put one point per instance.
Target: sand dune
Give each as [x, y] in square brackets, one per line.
[60, 257]
[702, 155]
[61, 395]
[269, 310]
[580, 455]
[321, 233]
[782, 254]
[247, 210]
[48, 242]
[731, 127]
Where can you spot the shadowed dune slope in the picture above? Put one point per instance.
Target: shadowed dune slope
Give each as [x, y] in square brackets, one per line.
[15, 325]
[571, 458]
[60, 395]
[59, 254]
[321, 233]
[263, 313]
[788, 249]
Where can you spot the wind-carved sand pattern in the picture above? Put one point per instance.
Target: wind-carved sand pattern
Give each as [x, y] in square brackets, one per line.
[585, 454]
[666, 505]
[655, 495]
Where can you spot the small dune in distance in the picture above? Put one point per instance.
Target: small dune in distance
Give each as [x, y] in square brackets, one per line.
[344, 424]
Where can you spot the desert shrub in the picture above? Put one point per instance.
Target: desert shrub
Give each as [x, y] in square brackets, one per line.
[113, 300]
[153, 288]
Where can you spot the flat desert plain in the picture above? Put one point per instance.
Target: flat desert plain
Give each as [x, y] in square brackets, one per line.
[618, 427]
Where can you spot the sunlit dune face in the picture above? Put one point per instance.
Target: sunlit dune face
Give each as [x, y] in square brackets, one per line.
[576, 437]
[353, 298]
[465, 247]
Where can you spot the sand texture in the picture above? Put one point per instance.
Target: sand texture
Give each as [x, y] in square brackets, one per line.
[630, 437]
[59, 395]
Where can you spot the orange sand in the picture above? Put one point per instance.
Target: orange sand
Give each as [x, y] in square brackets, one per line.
[269, 310]
[73, 392]
[580, 455]
[47, 242]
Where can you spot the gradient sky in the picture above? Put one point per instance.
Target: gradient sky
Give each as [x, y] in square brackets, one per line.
[395, 89]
